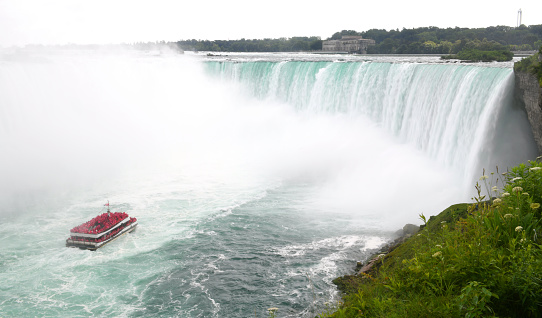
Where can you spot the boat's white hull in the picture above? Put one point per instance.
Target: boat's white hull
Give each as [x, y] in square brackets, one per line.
[96, 245]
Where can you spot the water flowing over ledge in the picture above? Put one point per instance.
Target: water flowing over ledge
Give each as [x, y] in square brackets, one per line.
[447, 111]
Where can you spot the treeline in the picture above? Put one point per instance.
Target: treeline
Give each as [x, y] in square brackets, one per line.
[433, 40]
[426, 40]
[294, 44]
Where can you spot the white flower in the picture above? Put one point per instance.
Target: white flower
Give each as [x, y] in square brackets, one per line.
[519, 229]
[273, 309]
[508, 215]
[497, 201]
[505, 194]
[516, 179]
[483, 177]
[517, 189]
[535, 168]
[525, 193]
[495, 189]
[437, 254]
[438, 245]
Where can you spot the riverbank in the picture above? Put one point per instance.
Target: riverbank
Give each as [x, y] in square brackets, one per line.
[474, 260]
[398, 249]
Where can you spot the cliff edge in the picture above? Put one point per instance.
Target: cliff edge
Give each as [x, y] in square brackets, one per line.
[529, 91]
[531, 94]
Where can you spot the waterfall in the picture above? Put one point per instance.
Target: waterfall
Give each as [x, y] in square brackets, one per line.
[447, 111]
[246, 177]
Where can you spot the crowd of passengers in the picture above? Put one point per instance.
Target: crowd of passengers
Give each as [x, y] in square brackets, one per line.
[102, 222]
[104, 237]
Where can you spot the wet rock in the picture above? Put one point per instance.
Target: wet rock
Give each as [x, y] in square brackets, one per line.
[410, 229]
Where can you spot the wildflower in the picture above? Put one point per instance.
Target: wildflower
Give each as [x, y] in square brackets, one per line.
[495, 189]
[483, 177]
[438, 245]
[443, 222]
[508, 215]
[539, 157]
[517, 189]
[497, 201]
[535, 168]
[522, 240]
[504, 173]
[516, 179]
[272, 309]
[535, 206]
[437, 254]
[526, 193]
[505, 194]
[519, 229]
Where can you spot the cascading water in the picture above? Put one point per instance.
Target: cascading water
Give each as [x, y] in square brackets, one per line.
[251, 192]
[444, 110]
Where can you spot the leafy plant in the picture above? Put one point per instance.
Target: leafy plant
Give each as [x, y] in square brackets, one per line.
[474, 300]
[477, 260]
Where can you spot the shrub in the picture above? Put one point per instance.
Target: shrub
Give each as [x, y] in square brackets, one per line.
[532, 65]
[485, 261]
[476, 55]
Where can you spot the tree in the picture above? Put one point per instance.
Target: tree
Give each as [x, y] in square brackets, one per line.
[316, 45]
[429, 47]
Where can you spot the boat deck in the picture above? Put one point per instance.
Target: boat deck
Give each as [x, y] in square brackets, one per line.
[96, 245]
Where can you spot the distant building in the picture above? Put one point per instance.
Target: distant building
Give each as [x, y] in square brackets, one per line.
[348, 43]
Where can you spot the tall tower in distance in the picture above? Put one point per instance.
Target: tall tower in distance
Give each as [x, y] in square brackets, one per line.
[519, 17]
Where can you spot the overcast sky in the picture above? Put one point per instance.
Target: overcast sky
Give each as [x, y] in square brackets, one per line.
[126, 21]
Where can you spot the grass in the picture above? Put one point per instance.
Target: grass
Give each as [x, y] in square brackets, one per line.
[472, 260]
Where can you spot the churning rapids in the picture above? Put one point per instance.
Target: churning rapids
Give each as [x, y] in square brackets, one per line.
[256, 179]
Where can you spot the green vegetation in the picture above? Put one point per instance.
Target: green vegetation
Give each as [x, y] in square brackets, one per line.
[532, 65]
[433, 40]
[475, 55]
[477, 260]
[427, 40]
[294, 44]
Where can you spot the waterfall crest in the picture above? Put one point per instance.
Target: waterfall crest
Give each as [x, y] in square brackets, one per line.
[446, 111]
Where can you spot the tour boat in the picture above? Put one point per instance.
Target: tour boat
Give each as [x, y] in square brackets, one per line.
[101, 230]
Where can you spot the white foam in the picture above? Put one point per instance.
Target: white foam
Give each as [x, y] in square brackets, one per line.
[335, 243]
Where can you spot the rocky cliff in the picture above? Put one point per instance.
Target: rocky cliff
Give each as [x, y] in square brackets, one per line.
[530, 92]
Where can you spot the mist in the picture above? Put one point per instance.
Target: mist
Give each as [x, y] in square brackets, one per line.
[74, 122]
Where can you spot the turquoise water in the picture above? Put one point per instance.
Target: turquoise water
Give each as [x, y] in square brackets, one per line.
[442, 109]
[255, 183]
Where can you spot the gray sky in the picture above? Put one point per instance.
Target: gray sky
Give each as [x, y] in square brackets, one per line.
[116, 21]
